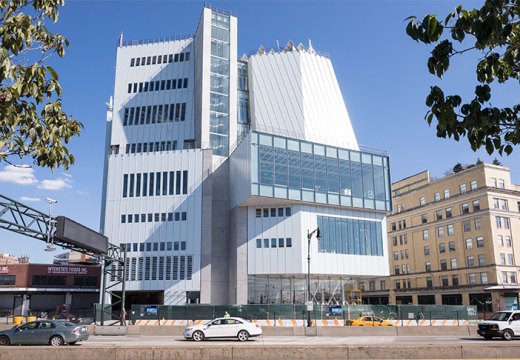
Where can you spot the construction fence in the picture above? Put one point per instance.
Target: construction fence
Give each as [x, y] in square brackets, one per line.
[297, 314]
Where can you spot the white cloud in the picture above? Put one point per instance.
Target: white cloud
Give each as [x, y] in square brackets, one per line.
[67, 175]
[83, 193]
[30, 199]
[18, 175]
[56, 184]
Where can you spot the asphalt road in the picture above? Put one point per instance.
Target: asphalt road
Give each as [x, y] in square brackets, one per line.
[297, 340]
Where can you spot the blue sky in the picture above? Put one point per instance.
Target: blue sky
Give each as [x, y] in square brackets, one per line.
[382, 74]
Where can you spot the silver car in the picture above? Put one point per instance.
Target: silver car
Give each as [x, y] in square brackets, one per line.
[43, 332]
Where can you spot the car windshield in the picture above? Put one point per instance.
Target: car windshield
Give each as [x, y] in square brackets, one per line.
[66, 323]
[501, 316]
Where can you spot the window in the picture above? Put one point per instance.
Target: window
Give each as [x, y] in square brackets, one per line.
[500, 240]
[394, 240]
[280, 212]
[7, 279]
[396, 270]
[281, 242]
[464, 208]
[502, 259]
[480, 241]
[382, 284]
[503, 204]
[273, 243]
[466, 225]
[429, 282]
[444, 265]
[266, 212]
[258, 243]
[481, 260]
[440, 231]
[504, 277]
[394, 228]
[287, 211]
[123, 218]
[422, 201]
[476, 205]
[472, 279]
[462, 188]
[473, 185]
[442, 248]
[438, 215]
[493, 182]
[396, 255]
[470, 261]
[469, 243]
[453, 263]
[495, 203]
[478, 223]
[512, 277]
[483, 278]
[425, 235]
[288, 242]
[451, 231]
[498, 220]
[449, 213]
[428, 266]
[451, 245]
[506, 223]
[437, 196]
[508, 241]
[402, 255]
[444, 280]
[455, 280]
[446, 193]
[397, 284]
[424, 218]
[426, 251]
[266, 243]
[273, 212]
[501, 184]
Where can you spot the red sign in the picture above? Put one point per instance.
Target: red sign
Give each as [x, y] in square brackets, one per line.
[67, 270]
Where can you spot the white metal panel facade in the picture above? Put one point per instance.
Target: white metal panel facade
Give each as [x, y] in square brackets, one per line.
[296, 94]
[293, 260]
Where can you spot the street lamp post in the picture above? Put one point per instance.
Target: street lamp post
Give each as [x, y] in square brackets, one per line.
[309, 296]
[50, 226]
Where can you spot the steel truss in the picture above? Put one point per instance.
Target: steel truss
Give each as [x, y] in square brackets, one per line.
[24, 220]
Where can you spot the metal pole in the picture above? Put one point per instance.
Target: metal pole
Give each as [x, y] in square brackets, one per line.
[103, 292]
[123, 281]
[309, 322]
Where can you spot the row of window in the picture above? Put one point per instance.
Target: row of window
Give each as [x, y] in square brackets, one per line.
[149, 184]
[138, 148]
[7, 279]
[159, 59]
[444, 281]
[450, 229]
[154, 246]
[470, 262]
[156, 217]
[273, 212]
[274, 243]
[157, 268]
[152, 114]
[437, 195]
[502, 222]
[158, 85]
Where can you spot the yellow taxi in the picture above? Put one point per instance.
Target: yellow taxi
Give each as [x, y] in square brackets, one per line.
[370, 321]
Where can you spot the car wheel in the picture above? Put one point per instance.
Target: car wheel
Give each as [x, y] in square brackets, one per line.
[197, 336]
[508, 335]
[56, 341]
[4, 340]
[488, 337]
[243, 335]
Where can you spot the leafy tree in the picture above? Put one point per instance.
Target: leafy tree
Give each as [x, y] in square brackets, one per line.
[32, 122]
[458, 168]
[493, 31]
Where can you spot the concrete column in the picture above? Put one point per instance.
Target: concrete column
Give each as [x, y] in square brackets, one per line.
[68, 298]
[438, 299]
[415, 300]
[465, 298]
[26, 304]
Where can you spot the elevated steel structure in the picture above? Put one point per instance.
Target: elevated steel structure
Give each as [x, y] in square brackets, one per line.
[25, 220]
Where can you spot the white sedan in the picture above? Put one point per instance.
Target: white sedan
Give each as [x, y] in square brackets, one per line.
[229, 327]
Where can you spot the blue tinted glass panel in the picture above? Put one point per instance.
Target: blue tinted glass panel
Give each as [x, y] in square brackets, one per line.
[294, 180]
[332, 175]
[307, 171]
[368, 181]
[320, 173]
[280, 167]
[357, 180]
[266, 165]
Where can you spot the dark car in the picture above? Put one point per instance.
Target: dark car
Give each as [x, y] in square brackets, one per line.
[67, 317]
[51, 332]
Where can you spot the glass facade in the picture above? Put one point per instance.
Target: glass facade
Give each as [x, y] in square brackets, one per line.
[219, 84]
[242, 99]
[299, 170]
[350, 236]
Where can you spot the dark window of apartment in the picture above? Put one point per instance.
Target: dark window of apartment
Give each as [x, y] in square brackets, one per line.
[288, 242]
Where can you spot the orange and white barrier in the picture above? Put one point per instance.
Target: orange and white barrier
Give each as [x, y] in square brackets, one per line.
[293, 322]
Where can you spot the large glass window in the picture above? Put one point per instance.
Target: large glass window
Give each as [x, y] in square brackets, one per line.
[350, 236]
